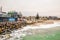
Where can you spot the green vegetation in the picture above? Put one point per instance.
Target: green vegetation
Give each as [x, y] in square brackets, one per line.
[37, 16]
[53, 36]
[12, 13]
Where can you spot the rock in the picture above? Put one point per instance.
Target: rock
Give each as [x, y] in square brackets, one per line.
[7, 36]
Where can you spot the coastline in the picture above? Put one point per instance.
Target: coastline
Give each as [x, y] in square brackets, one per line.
[32, 30]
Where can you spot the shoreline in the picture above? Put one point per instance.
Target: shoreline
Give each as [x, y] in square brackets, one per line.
[32, 29]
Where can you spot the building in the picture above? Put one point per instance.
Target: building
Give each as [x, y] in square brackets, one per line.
[1, 12]
[5, 17]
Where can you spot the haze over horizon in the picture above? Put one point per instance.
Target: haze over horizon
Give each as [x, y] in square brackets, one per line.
[31, 7]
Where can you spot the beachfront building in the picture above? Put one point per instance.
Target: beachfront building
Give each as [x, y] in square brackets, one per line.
[7, 17]
[13, 14]
[1, 12]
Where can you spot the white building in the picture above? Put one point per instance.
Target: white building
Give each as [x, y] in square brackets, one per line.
[1, 12]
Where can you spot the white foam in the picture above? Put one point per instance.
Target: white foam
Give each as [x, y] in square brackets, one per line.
[19, 33]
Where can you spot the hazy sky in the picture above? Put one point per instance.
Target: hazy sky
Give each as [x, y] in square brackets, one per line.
[31, 7]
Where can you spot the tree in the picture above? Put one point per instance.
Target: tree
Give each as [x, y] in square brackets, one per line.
[37, 16]
[20, 15]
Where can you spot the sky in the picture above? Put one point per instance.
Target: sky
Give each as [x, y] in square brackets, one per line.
[32, 7]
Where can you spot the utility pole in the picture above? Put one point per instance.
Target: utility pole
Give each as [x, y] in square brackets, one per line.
[1, 9]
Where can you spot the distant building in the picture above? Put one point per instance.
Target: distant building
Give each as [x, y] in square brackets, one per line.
[53, 18]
